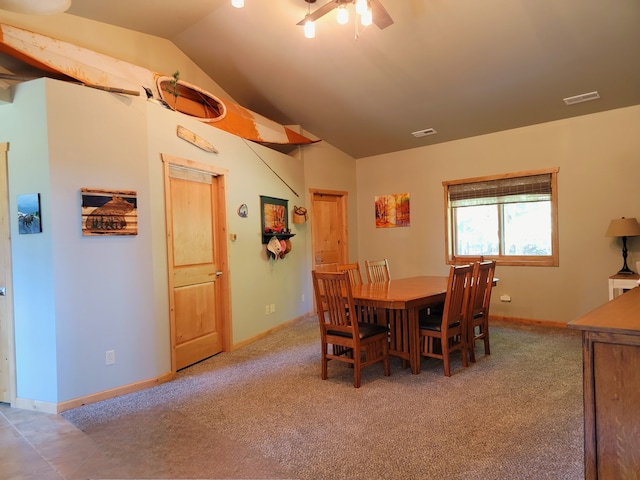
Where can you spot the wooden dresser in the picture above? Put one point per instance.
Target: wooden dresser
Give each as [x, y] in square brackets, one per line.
[611, 362]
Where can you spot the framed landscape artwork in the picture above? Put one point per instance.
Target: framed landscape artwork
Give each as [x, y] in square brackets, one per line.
[393, 210]
[275, 215]
[29, 219]
[109, 212]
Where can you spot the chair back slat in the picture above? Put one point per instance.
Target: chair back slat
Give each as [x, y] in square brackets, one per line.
[341, 337]
[457, 300]
[450, 327]
[478, 315]
[327, 267]
[353, 269]
[467, 259]
[333, 292]
[378, 270]
[481, 289]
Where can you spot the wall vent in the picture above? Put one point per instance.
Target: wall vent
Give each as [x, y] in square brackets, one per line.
[424, 133]
[585, 97]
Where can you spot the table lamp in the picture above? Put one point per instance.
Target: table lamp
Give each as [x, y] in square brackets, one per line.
[624, 227]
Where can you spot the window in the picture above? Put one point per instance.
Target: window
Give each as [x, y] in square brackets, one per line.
[510, 218]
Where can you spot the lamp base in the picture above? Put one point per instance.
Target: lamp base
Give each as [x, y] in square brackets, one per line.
[626, 271]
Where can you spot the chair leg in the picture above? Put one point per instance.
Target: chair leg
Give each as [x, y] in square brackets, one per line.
[487, 350]
[385, 361]
[445, 358]
[465, 352]
[471, 345]
[356, 368]
[325, 360]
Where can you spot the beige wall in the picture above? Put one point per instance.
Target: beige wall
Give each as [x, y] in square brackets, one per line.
[249, 176]
[59, 144]
[588, 150]
[154, 53]
[599, 179]
[597, 152]
[326, 167]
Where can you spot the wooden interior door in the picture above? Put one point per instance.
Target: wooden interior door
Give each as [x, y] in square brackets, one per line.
[197, 251]
[329, 227]
[7, 358]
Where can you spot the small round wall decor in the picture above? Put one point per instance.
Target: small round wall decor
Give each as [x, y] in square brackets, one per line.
[243, 210]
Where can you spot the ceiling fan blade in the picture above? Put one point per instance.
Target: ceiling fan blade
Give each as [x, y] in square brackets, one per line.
[381, 17]
[320, 12]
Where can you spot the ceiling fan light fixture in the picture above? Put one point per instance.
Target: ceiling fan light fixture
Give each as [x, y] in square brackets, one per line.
[310, 29]
[343, 14]
[366, 18]
[370, 12]
[362, 6]
[237, 3]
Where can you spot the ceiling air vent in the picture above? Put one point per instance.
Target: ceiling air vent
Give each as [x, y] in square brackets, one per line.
[424, 133]
[585, 97]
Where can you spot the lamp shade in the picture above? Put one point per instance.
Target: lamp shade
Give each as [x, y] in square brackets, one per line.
[623, 227]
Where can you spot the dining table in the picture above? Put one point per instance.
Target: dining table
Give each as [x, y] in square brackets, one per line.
[397, 303]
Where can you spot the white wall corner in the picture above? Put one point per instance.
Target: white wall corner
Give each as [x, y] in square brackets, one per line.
[6, 95]
[35, 405]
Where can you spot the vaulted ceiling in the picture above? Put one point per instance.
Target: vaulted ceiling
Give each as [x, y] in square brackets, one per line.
[461, 67]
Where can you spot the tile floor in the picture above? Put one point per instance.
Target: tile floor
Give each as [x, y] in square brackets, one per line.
[40, 446]
[36, 445]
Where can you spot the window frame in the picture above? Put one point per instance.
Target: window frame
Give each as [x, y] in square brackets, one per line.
[514, 260]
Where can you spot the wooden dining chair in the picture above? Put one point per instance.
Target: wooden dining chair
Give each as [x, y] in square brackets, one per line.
[353, 269]
[358, 344]
[327, 267]
[450, 326]
[467, 259]
[377, 270]
[478, 317]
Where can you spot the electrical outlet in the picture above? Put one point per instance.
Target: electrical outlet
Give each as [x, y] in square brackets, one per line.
[272, 308]
[505, 298]
[302, 299]
[266, 310]
[110, 357]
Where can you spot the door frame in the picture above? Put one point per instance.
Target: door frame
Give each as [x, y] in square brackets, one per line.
[223, 292]
[342, 205]
[7, 326]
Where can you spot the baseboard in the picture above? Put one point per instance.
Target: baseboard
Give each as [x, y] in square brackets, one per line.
[48, 407]
[527, 321]
[114, 392]
[134, 387]
[34, 405]
[270, 331]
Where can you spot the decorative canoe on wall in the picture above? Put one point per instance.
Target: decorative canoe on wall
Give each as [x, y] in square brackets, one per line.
[65, 60]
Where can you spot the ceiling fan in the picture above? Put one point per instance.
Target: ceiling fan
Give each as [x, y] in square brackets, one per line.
[380, 16]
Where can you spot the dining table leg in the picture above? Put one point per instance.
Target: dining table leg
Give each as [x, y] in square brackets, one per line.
[414, 341]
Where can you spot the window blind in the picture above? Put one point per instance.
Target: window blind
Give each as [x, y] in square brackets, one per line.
[532, 188]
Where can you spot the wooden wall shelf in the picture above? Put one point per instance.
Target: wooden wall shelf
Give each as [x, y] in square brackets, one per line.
[280, 236]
